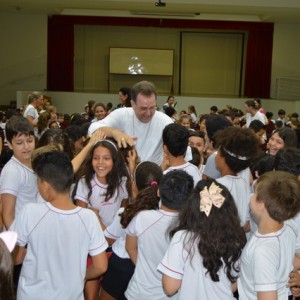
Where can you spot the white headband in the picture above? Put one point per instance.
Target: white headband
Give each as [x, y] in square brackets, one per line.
[108, 142]
[236, 156]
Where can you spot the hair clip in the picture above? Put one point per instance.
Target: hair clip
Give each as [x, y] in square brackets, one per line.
[153, 183]
[209, 197]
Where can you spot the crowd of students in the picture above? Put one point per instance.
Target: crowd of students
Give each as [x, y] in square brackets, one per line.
[152, 208]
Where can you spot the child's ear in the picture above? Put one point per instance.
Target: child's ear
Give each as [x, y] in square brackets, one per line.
[165, 149]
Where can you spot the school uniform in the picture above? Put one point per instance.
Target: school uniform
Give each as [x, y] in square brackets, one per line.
[120, 267]
[183, 262]
[107, 209]
[266, 262]
[190, 169]
[240, 191]
[58, 244]
[150, 227]
[20, 181]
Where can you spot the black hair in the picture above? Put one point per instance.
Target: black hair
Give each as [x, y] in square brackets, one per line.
[113, 178]
[170, 111]
[147, 177]
[269, 115]
[288, 160]
[214, 108]
[264, 164]
[74, 132]
[288, 135]
[257, 125]
[176, 139]
[55, 168]
[281, 112]
[238, 146]
[175, 187]
[198, 133]
[18, 125]
[126, 92]
[219, 237]
[215, 123]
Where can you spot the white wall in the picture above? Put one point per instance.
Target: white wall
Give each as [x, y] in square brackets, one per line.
[23, 54]
[67, 102]
[286, 58]
[23, 65]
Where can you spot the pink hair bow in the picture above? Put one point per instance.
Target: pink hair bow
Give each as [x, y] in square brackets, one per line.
[209, 197]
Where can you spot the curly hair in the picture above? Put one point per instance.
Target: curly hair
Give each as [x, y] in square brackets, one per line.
[219, 237]
[235, 142]
[113, 178]
[147, 177]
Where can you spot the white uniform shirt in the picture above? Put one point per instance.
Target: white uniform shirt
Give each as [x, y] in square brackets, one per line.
[149, 135]
[31, 111]
[150, 227]
[266, 262]
[107, 209]
[190, 169]
[20, 181]
[240, 192]
[58, 244]
[116, 232]
[196, 283]
[258, 116]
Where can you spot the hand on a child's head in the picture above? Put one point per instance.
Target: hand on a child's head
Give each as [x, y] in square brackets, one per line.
[97, 136]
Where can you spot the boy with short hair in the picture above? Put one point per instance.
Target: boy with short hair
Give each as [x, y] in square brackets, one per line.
[59, 236]
[175, 142]
[267, 258]
[18, 182]
[147, 238]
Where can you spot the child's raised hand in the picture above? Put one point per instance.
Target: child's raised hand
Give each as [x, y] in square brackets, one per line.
[97, 136]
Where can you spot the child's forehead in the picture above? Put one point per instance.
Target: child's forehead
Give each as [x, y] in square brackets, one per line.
[196, 138]
[21, 135]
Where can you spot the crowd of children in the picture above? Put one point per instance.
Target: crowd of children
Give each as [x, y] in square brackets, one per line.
[218, 219]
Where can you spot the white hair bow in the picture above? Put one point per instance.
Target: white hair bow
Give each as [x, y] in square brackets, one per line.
[209, 197]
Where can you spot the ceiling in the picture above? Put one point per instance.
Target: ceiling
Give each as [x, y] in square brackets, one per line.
[287, 11]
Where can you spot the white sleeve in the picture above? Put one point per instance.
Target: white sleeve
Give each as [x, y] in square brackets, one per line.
[82, 191]
[132, 229]
[112, 120]
[11, 181]
[173, 262]
[98, 242]
[20, 225]
[265, 268]
[115, 229]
